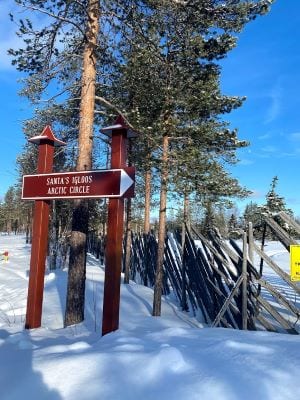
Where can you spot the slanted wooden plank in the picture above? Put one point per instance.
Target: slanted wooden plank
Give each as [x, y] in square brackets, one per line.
[211, 248]
[250, 242]
[279, 297]
[232, 254]
[282, 235]
[244, 287]
[276, 268]
[277, 316]
[226, 324]
[198, 283]
[211, 281]
[251, 268]
[172, 273]
[227, 302]
[220, 258]
[230, 268]
[261, 264]
[217, 283]
[289, 220]
[266, 324]
[252, 274]
[227, 280]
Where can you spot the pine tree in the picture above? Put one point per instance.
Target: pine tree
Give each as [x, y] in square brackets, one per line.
[252, 214]
[208, 223]
[73, 67]
[233, 227]
[9, 209]
[78, 240]
[274, 202]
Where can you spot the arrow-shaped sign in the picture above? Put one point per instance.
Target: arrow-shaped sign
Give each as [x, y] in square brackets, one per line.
[74, 185]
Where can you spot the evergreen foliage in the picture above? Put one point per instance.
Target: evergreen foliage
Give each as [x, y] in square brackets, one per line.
[253, 214]
[273, 205]
[234, 227]
[13, 212]
[274, 202]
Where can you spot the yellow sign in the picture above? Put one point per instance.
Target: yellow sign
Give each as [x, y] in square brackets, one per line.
[295, 262]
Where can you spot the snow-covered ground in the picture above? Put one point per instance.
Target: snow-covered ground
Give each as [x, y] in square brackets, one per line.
[172, 356]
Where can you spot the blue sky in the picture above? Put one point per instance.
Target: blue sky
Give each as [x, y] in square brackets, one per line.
[264, 67]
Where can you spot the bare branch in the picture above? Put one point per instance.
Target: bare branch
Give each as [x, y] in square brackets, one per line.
[59, 94]
[63, 19]
[115, 108]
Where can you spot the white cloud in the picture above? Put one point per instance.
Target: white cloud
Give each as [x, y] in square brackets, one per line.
[295, 136]
[256, 194]
[275, 104]
[265, 136]
[269, 149]
[246, 161]
[293, 200]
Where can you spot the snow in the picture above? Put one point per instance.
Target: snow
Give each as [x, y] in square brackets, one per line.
[170, 357]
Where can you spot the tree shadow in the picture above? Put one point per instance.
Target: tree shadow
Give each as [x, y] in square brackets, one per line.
[17, 375]
[139, 298]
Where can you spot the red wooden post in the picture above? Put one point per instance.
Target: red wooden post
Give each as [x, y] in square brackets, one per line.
[119, 133]
[46, 142]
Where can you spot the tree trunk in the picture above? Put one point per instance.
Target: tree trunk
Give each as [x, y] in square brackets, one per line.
[161, 230]
[148, 177]
[76, 278]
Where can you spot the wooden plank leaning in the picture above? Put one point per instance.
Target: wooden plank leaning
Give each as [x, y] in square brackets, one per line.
[279, 297]
[227, 302]
[276, 268]
[277, 316]
[250, 242]
[244, 287]
[211, 248]
[289, 220]
[282, 235]
[266, 324]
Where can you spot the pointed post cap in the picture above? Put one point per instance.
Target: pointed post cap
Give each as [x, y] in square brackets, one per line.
[47, 135]
[119, 124]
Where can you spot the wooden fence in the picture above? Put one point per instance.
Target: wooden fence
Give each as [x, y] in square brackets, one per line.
[219, 278]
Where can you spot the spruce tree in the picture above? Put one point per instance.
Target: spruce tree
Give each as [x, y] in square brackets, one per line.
[274, 202]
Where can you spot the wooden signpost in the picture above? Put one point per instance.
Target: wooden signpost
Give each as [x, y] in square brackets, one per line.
[116, 184]
[46, 142]
[119, 134]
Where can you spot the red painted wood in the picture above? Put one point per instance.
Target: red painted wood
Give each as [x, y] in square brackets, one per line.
[113, 252]
[72, 185]
[118, 149]
[39, 242]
